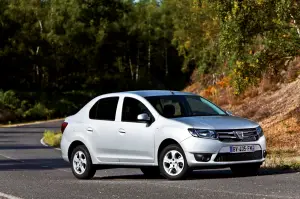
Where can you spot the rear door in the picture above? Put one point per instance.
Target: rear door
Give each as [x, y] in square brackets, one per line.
[102, 127]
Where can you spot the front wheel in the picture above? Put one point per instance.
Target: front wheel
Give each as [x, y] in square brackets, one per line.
[245, 169]
[172, 163]
[82, 166]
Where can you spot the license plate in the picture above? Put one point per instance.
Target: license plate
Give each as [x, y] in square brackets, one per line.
[242, 149]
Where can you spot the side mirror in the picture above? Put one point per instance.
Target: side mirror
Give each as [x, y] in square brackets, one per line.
[229, 113]
[144, 117]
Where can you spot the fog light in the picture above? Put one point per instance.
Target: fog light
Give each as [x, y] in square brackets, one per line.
[265, 153]
[200, 157]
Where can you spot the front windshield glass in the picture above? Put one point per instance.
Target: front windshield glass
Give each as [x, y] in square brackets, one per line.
[172, 106]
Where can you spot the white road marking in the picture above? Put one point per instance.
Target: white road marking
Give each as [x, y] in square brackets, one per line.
[44, 144]
[4, 195]
[7, 157]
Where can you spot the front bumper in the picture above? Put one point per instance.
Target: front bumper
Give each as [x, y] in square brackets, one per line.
[201, 152]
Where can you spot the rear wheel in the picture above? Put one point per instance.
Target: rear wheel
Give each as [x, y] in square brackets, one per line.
[151, 172]
[172, 163]
[82, 166]
[245, 169]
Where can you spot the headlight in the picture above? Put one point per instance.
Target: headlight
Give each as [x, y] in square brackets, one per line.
[259, 131]
[203, 133]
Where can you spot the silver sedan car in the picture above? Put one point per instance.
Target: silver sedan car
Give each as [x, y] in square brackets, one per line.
[168, 133]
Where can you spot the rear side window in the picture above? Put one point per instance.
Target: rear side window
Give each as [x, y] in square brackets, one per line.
[104, 109]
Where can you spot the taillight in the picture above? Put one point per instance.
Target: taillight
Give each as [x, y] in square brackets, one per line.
[63, 126]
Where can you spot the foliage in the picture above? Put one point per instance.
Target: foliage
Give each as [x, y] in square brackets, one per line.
[52, 138]
[38, 111]
[256, 36]
[50, 48]
[9, 99]
[22, 109]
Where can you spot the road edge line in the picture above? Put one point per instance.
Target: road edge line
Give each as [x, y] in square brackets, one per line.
[29, 123]
[8, 196]
[44, 144]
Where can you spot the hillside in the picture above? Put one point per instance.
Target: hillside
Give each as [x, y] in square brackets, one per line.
[277, 110]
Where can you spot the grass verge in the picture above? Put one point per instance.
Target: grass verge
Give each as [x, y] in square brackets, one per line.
[282, 162]
[52, 138]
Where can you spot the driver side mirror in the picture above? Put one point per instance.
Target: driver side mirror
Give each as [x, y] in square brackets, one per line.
[144, 117]
[229, 113]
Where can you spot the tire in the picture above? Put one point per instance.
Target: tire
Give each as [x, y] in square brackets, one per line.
[175, 155]
[245, 169]
[81, 157]
[151, 172]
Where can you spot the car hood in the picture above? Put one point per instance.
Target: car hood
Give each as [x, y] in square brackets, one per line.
[217, 122]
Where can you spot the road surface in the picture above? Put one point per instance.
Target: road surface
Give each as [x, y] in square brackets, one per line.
[31, 170]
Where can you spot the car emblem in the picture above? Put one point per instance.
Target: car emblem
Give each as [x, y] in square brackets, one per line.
[239, 134]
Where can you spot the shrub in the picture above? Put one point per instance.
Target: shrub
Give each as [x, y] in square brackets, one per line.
[52, 138]
[38, 111]
[9, 100]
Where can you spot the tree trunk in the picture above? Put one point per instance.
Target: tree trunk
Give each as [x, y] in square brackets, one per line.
[131, 69]
[149, 56]
[295, 23]
[36, 67]
[137, 65]
[166, 61]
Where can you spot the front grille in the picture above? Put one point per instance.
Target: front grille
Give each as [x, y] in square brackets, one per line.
[230, 136]
[233, 157]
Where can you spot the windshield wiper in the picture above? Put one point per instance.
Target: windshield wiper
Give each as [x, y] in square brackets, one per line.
[205, 115]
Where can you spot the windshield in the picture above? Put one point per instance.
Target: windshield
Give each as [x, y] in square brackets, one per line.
[172, 106]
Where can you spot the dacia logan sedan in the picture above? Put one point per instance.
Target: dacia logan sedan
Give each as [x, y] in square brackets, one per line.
[164, 133]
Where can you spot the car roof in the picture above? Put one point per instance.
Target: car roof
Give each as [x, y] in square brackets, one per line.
[149, 93]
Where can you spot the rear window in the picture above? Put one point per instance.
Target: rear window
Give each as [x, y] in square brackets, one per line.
[104, 109]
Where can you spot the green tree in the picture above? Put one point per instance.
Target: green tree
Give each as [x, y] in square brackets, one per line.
[257, 36]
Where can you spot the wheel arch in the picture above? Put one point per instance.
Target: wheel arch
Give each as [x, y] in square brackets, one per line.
[72, 146]
[165, 143]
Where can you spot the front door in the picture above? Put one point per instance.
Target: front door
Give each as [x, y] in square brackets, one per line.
[136, 137]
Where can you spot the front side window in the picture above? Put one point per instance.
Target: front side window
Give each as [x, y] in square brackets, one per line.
[172, 106]
[132, 108]
[104, 109]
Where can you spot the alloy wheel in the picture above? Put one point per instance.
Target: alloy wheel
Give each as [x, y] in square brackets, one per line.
[79, 162]
[173, 163]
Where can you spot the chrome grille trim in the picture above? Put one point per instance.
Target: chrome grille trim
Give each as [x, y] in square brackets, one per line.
[229, 135]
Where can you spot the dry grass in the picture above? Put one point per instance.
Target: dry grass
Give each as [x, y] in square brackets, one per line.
[293, 71]
[251, 92]
[281, 162]
[284, 136]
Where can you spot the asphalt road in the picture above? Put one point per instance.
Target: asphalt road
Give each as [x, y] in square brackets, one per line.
[30, 170]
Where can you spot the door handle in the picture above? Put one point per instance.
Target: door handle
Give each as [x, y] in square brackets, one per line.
[122, 131]
[89, 129]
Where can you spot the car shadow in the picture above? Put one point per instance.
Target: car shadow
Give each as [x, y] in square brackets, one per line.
[22, 147]
[32, 164]
[201, 174]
